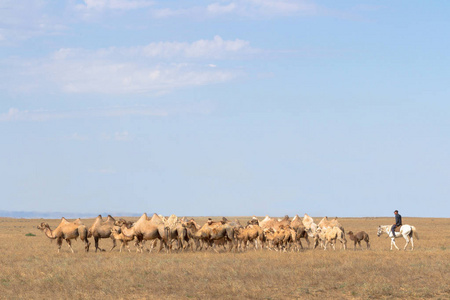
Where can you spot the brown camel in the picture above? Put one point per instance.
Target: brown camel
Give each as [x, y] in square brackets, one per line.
[194, 240]
[102, 230]
[67, 231]
[250, 234]
[357, 238]
[212, 231]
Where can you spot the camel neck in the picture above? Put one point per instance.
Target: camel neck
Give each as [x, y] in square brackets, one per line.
[49, 233]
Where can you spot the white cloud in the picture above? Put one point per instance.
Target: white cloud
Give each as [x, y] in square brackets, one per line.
[217, 8]
[125, 78]
[119, 136]
[77, 137]
[100, 5]
[21, 20]
[42, 115]
[217, 48]
[244, 8]
[151, 69]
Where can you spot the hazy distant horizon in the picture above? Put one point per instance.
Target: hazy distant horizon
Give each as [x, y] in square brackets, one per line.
[75, 215]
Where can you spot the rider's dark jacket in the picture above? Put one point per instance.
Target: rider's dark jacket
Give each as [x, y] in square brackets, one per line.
[398, 220]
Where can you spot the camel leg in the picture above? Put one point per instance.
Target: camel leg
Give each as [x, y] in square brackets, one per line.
[114, 244]
[70, 245]
[86, 245]
[96, 244]
[59, 243]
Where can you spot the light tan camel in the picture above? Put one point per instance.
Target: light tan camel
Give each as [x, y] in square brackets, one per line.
[102, 230]
[116, 233]
[145, 229]
[66, 231]
[331, 235]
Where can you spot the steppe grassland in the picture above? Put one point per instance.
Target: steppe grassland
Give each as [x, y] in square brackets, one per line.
[32, 268]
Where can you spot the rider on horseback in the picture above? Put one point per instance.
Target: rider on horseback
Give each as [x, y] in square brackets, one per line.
[398, 222]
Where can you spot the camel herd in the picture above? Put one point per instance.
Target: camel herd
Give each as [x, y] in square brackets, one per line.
[178, 234]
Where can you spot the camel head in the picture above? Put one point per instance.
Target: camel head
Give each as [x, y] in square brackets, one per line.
[190, 224]
[120, 222]
[43, 225]
[116, 230]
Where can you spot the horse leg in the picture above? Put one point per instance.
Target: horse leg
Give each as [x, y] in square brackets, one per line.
[393, 241]
[412, 243]
[407, 241]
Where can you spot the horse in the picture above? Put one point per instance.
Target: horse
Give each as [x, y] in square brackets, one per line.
[407, 231]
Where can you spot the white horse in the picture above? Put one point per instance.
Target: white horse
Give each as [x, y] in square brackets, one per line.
[407, 231]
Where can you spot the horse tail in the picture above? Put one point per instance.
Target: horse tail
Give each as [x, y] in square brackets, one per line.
[414, 232]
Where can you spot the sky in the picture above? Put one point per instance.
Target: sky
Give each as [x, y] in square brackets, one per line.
[225, 107]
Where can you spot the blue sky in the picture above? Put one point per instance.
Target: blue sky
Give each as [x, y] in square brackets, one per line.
[246, 107]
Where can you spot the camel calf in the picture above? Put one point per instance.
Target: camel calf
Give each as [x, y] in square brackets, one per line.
[357, 238]
[252, 233]
[117, 235]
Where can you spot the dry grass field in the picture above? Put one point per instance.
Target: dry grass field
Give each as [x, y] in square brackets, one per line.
[31, 268]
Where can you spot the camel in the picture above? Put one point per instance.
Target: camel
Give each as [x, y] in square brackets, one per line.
[191, 229]
[253, 221]
[267, 223]
[116, 234]
[310, 226]
[308, 222]
[102, 230]
[212, 231]
[145, 229]
[280, 239]
[296, 223]
[252, 233]
[331, 235]
[298, 226]
[175, 231]
[274, 223]
[67, 231]
[326, 223]
[357, 238]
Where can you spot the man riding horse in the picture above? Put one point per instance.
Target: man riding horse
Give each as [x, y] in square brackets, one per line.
[398, 222]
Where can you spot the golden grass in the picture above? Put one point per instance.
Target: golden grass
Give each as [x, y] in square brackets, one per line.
[32, 268]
